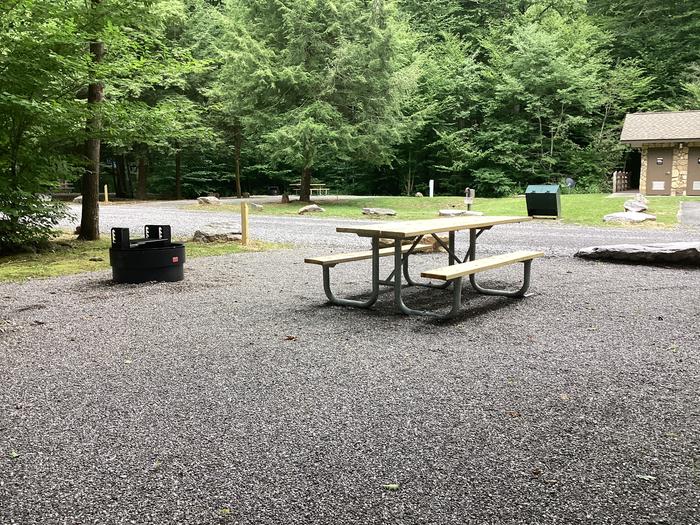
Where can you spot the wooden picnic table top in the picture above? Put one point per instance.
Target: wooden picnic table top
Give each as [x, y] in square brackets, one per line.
[403, 229]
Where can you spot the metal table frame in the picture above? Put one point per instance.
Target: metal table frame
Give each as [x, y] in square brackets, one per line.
[394, 279]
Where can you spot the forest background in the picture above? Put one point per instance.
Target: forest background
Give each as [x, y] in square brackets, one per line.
[180, 98]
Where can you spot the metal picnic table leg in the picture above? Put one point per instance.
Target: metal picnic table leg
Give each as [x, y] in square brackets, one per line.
[527, 265]
[375, 282]
[401, 307]
[452, 258]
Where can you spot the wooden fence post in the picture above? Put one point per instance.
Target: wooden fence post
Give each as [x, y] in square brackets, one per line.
[106, 195]
[244, 224]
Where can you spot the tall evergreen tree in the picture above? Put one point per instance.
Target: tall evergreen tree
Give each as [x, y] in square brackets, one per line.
[324, 81]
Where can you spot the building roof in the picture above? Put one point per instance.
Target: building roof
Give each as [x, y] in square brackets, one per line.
[663, 126]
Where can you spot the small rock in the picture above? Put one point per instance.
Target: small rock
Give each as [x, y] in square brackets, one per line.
[458, 213]
[208, 201]
[378, 211]
[78, 199]
[311, 208]
[635, 206]
[641, 198]
[285, 199]
[218, 232]
[208, 236]
[255, 206]
[245, 195]
[419, 194]
[629, 216]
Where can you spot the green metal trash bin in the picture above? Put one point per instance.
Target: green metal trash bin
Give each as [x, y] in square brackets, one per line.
[543, 200]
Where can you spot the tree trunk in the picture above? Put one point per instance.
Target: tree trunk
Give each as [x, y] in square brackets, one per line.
[122, 182]
[237, 140]
[305, 190]
[178, 174]
[141, 184]
[90, 219]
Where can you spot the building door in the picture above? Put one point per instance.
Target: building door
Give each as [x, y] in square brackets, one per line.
[659, 165]
[693, 172]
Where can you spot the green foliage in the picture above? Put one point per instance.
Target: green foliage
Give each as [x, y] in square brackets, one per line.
[492, 182]
[26, 220]
[372, 96]
[663, 36]
[330, 89]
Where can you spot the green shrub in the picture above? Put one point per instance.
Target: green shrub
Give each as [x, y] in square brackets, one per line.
[492, 182]
[27, 221]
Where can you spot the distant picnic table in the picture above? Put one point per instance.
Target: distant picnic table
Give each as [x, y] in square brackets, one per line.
[317, 188]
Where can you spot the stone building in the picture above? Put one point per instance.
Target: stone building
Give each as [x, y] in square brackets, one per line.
[670, 148]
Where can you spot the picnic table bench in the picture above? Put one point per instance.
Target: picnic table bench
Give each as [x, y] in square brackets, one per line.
[452, 274]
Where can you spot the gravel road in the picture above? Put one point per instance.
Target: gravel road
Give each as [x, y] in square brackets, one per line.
[239, 396]
[553, 237]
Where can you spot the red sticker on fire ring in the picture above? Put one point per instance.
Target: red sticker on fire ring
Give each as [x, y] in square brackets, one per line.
[176, 259]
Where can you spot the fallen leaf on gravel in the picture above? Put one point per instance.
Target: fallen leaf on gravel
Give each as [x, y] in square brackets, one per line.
[536, 472]
[391, 486]
[224, 511]
[13, 454]
[514, 413]
[39, 322]
[564, 397]
[646, 477]
[128, 361]
[290, 338]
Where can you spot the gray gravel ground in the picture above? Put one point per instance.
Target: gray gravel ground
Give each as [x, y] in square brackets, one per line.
[239, 396]
[690, 213]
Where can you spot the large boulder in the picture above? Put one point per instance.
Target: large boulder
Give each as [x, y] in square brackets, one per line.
[208, 201]
[629, 217]
[459, 213]
[218, 232]
[311, 208]
[378, 211]
[673, 252]
[78, 199]
[419, 194]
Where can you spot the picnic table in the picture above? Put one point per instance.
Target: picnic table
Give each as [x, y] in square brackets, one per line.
[319, 188]
[407, 236]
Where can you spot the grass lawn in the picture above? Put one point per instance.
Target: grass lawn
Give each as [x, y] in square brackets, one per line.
[68, 256]
[584, 209]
